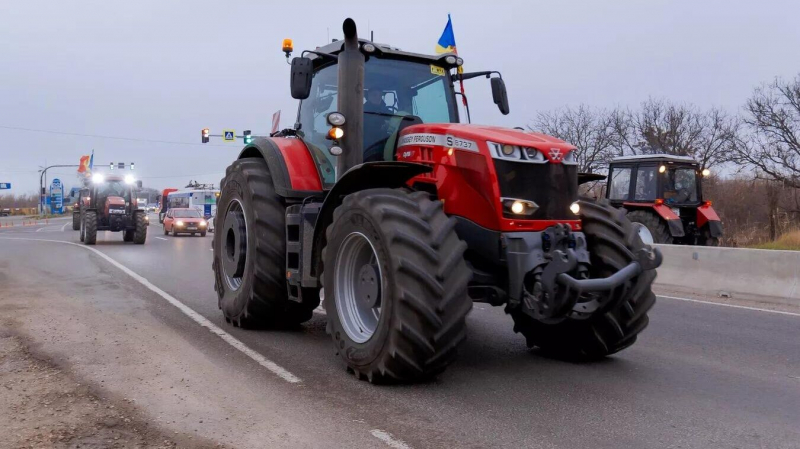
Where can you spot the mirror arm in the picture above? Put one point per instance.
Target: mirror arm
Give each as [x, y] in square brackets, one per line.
[470, 75]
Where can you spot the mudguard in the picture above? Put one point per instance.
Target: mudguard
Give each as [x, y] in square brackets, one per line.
[299, 177]
[369, 175]
[707, 215]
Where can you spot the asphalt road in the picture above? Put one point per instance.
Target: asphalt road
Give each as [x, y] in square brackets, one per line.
[701, 375]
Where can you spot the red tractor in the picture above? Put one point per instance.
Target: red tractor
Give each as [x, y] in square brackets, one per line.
[398, 217]
[664, 198]
[108, 203]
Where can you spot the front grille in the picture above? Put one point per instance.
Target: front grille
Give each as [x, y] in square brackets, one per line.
[552, 186]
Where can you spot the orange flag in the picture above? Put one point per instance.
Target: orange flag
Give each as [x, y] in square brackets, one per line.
[84, 164]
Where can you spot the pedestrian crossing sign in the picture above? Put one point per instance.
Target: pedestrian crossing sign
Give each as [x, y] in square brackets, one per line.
[228, 135]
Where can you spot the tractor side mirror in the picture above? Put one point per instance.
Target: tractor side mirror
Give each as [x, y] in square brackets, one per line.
[139, 183]
[500, 95]
[301, 78]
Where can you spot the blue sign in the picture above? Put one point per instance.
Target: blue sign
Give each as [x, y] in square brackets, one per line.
[5, 185]
[228, 135]
[56, 197]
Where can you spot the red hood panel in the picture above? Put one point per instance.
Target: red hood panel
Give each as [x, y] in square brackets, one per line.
[493, 134]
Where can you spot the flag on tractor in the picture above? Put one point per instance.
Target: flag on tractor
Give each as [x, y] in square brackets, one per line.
[447, 44]
[83, 167]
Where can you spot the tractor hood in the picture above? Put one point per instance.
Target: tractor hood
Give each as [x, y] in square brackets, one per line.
[483, 133]
[115, 201]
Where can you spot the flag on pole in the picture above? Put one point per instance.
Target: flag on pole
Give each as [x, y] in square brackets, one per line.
[447, 44]
[83, 166]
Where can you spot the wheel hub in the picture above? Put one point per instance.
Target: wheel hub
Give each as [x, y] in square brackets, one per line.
[358, 287]
[368, 288]
[234, 244]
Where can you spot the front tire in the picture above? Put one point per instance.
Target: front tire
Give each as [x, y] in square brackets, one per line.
[250, 251]
[395, 285]
[140, 232]
[655, 225]
[90, 228]
[612, 240]
[76, 221]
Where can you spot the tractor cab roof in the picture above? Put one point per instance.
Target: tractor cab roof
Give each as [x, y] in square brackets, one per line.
[382, 50]
[669, 158]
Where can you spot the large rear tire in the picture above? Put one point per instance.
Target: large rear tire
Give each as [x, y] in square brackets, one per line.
[612, 240]
[250, 251]
[76, 221]
[395, 285]
[90, 228]
[657, 227]
[140, 232]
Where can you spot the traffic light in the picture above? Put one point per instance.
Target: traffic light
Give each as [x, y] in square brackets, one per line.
[248, 138]
[205, 134]
[111, 166]
[132, 166]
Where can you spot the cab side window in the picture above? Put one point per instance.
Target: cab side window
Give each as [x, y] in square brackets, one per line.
[620, 184]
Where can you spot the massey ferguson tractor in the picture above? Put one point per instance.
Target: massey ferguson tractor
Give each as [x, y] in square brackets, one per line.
[382, 205]
[664, 198]
[108, 203]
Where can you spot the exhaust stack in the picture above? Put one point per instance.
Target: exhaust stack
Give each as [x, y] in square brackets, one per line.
[350, 101]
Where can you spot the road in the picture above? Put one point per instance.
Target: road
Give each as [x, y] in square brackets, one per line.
[701, 375]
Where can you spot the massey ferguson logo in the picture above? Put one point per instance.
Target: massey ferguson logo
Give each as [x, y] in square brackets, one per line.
[555, 154]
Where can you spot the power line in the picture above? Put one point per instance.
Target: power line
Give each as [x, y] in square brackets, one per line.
[98, 136]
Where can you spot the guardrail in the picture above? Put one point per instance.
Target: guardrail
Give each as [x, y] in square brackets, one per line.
[768, 275]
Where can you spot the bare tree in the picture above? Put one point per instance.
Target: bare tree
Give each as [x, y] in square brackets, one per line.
[588, 129]
[662, 127]
[770, 140]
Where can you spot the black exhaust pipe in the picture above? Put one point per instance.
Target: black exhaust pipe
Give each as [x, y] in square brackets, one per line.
[350, 102]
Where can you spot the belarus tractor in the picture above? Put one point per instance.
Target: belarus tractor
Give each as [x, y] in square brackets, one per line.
[664, 198]
[108, 203]
[382, 205]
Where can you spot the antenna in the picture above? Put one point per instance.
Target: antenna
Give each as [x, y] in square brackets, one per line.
[372, 36]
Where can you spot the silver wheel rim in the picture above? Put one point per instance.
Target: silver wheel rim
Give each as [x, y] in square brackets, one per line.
[644, 234]
[234, 282]
[358, 287]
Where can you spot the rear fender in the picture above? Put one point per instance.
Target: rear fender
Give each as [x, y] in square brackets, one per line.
[673, 221]
[707, 215]
[369, 175]
[291, 167]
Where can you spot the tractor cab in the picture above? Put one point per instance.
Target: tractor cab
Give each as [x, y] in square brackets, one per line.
[663, 194]
[400, 89]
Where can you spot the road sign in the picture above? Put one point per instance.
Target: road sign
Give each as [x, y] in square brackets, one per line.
[5, 185]
[56, 196]
[228, 135]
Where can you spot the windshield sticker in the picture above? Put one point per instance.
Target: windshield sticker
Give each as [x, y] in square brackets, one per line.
[436, 70]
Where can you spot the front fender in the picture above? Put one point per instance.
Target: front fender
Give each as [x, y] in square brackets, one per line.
[369, 175]
[291, 167]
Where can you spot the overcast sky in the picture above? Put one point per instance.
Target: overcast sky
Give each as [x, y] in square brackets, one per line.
[162, 70]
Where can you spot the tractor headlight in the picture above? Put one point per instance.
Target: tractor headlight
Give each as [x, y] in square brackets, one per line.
[129, 179]
[336, 119]
[575, 208]
[518, 207]
[515, 152]
[98, 178]
[335, 133]
[569, 159]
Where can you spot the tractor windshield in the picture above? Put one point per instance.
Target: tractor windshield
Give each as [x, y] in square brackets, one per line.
[681, 185]
[395, 92]
[113, 188]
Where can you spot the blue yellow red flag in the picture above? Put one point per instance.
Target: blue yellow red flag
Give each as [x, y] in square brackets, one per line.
[447, 43]
[83, 166]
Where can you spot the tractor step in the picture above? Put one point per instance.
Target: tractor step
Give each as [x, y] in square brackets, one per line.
[300, 219]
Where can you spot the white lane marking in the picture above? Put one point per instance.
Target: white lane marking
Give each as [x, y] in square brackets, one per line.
[387, 438]
[63, 227]
[756, 309]
[199, 319]
[40, 229]
[160, 238]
